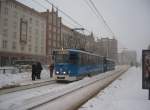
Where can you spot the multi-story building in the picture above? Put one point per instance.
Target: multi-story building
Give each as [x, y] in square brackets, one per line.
[22, 33]
[90, 43]
[108, 48]
[53, 33]
[67, 37]
[72, 39]
[28, 34]
[127, 57]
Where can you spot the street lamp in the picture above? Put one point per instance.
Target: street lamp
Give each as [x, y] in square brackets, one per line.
[82, 29]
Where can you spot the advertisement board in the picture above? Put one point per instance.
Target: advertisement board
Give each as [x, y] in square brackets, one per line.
[146, 69]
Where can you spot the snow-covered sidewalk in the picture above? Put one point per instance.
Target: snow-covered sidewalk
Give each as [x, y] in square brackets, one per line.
[24, 78]
[125, 93]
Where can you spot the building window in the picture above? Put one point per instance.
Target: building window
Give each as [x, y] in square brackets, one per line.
[29, 49]
[36, 31]
[5, 32]
[22, 48]
[4, 44]
[30, 30]
[5, 21]
[30, 20]
[14, 45]
[37, 23]
[15, 35]
[50, 27]
[15, 25]
[23, 31]
[42, 50]
[36, 49]
[42, 25]
[15, 14]
[6, 11]
[54, 44]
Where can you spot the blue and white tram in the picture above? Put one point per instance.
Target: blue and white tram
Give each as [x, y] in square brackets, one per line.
[72, 64]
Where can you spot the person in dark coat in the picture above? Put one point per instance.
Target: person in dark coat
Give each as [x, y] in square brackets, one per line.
[51, 67]
[39, 69]
[33, 71]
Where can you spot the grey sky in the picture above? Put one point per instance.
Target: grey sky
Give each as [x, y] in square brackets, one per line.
[129, 19]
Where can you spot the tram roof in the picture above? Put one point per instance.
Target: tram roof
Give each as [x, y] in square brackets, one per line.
[77, 50]
[82, 51]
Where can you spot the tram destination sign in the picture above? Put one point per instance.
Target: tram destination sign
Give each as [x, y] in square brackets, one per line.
[146, 69]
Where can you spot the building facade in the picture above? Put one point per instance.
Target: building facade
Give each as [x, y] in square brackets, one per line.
[108, 48]
[53, 33]
[90, 43]
[22, 33]
[72, 39]
[127, 57]
[28, 34]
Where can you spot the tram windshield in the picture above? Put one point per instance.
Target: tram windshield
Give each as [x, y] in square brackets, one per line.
[61, 58]
[65, 57]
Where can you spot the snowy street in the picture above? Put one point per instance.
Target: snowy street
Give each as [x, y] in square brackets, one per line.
[125, 93]
[49, 92]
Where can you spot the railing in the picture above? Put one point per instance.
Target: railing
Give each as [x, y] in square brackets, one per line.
[13, 70]
[8, 70]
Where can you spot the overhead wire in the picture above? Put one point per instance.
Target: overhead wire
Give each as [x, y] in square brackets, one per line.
[64, 13]
[100, 15]
[91, 8]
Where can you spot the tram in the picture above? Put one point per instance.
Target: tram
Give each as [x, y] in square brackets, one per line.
[73, 64]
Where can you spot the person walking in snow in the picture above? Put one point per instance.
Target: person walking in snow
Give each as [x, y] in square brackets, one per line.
[39, 69]
[51, 68]
[33, 71]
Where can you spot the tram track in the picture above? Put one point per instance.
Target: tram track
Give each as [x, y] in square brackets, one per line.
[25, 87]
[7, 101]
[47, 100]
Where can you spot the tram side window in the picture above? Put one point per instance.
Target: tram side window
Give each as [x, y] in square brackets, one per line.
[90, 59]
[83, 59]
[73, 58]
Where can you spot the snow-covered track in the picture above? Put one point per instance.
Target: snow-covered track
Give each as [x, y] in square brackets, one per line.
[71, 96]
[25, 87]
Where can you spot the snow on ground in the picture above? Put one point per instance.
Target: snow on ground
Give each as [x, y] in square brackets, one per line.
[14, 78]
[15, 99]
[125, 93]
[11, 78]
[8, 101]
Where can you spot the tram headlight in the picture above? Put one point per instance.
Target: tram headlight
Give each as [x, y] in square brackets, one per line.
[64, 72]
[57, 72]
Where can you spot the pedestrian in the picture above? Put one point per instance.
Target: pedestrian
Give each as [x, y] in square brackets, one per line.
[39, 69]
[33, 71]
[51, 67]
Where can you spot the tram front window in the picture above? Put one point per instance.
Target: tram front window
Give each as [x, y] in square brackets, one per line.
[65, 58]
[61, 58]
